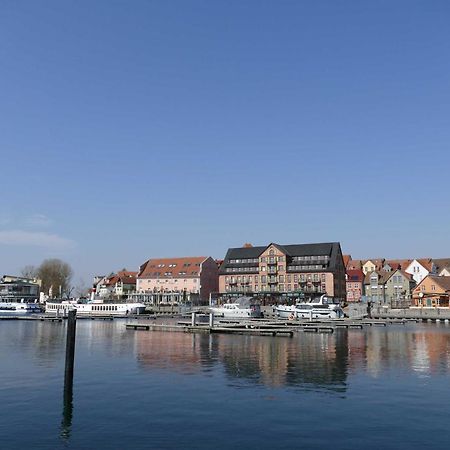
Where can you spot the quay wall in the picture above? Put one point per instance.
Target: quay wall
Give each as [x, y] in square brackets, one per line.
[412, 313]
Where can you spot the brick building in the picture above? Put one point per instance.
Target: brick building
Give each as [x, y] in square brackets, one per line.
[280, 272]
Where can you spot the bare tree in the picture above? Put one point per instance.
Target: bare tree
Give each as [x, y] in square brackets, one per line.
[29, 271]
[81, 289]
[55, 275]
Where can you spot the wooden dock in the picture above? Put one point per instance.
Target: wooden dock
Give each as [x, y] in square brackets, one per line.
[264, 327]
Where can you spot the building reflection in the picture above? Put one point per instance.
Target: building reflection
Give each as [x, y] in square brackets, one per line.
[319, 360]
[424, 349]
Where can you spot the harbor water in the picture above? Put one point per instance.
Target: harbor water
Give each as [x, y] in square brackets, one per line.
[381, 387]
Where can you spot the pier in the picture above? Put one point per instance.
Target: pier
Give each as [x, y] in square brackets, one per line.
[263, 327]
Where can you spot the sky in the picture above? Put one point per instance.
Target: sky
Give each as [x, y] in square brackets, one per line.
[131, 130]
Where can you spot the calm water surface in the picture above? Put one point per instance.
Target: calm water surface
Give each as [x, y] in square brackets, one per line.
[375, 388]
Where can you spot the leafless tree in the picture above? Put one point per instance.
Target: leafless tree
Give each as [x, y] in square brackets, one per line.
[55, 275]
[29, 271]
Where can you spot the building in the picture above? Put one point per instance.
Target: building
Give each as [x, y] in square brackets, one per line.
[432, 291]
[394, 264]
[374, 286]
[372, 265]
[279, 272]
[398, 288]
[116, 285]
[347, 259]
[420, 268]
[169, 281]
[442, 266]
[354, 264]
[354, 280]
[18, 289]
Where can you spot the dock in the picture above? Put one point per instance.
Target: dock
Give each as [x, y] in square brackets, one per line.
[265, 327]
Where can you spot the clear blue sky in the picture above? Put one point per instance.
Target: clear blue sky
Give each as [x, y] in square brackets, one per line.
[141, 129]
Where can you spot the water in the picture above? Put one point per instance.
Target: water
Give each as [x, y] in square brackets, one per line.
[374, 388]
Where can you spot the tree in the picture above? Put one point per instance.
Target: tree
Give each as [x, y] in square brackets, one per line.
[55, 275]
[29, 271]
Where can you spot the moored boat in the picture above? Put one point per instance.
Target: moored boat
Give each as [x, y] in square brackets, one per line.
[19, 308]
[319, 308]
[243, 308]
[94, 307]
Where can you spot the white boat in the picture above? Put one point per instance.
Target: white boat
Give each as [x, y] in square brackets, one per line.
[18, 308]
[94, 307]
[244, 308]
[285, 311]
[318, 308]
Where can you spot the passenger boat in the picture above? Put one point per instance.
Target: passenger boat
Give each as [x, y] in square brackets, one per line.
[319, 308]
[18, 308]
[94, 307]
[243, 308]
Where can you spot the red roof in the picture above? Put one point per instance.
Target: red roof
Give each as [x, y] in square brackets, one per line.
[124, 276]
[347, 259]
[426, 262]
[354, 264]
[172, 267]
[355, 275]
[401, 264]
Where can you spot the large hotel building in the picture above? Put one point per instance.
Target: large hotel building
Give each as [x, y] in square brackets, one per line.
[284, 271]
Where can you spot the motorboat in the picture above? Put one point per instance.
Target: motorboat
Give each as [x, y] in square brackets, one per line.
[243, 308]
[18, 308]
[323, 307]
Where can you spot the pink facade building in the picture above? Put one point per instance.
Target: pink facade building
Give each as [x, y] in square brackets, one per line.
[166, 281]
[354, 280]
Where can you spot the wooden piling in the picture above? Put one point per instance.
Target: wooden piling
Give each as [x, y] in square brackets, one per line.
[70, 345]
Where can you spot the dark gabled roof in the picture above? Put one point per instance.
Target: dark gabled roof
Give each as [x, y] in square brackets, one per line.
[310, 249]
[332, 249]
[441, 263]
[243, 252]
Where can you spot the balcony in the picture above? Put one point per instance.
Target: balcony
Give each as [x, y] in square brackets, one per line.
[272, 280]
[272, 261]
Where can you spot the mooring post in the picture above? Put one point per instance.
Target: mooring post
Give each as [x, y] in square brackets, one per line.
[70, 344]
[194, 319]
[310, 316]
[211, 320]
[66, 422]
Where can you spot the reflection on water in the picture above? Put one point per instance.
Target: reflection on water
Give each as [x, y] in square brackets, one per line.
[138, 387]
[323, 360]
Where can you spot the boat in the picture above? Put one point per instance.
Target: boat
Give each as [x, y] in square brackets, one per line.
[94, 307]
[322, 307]
[243, 308]
[7, 307]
